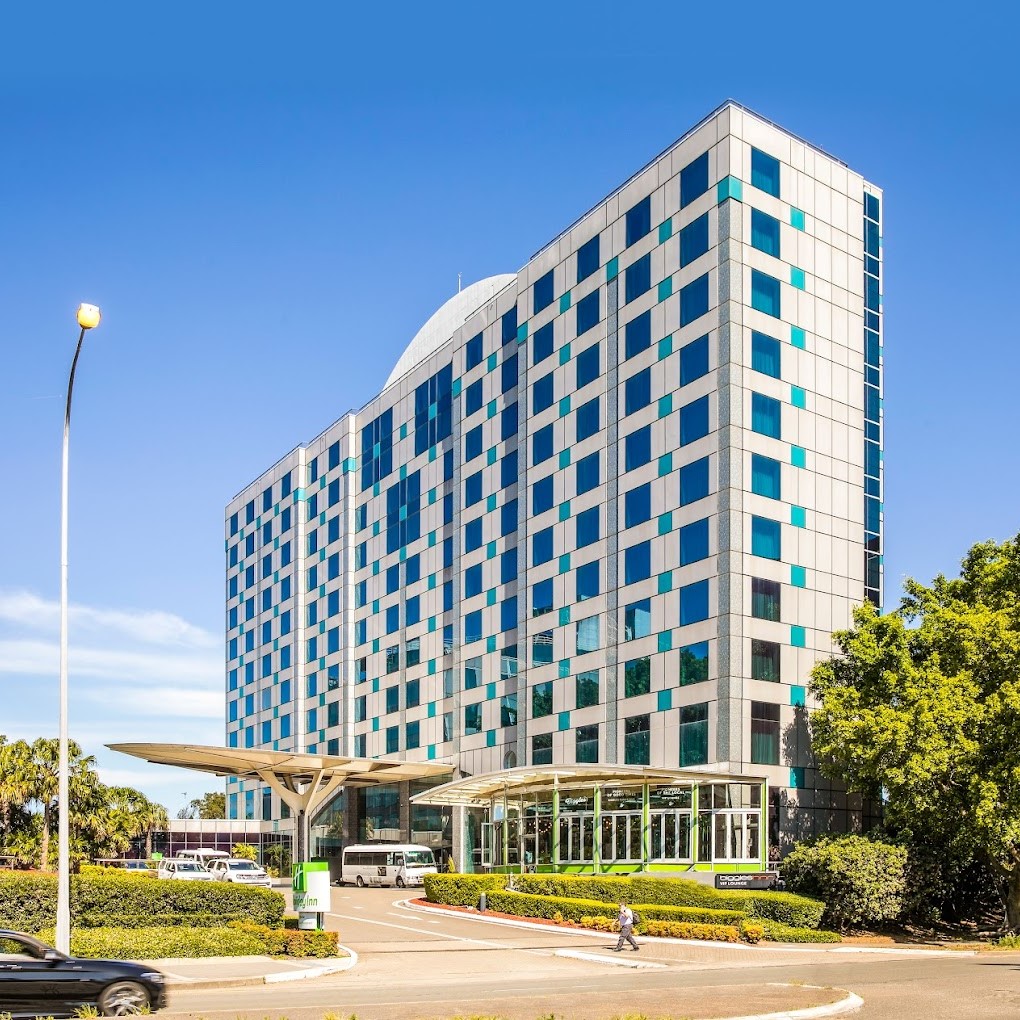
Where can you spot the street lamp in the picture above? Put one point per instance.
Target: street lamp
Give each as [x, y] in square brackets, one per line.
[88, 318]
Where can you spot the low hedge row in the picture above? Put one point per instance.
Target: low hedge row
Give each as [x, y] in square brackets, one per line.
[562, 908]
[458, 890]
[668, 929]
[161, 943]
[776, 932]
[28, 902]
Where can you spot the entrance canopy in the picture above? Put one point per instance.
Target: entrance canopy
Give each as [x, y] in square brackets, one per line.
[479, 791]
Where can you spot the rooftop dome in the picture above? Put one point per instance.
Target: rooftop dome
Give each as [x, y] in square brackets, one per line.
[446, 321]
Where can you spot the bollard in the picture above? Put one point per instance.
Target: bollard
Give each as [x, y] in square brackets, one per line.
[482, 903]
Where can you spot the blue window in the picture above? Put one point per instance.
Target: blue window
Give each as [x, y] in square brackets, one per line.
[473, 581]
[766, 416]
[448, 466]
[694, 360]
[542, 495]
[508, 422]
[473, 489]
[765, 354]
[447, 596]
[542, 597]
[637, 391]
[508, 613]
[638, 448]
[412, 611]
[871, 207]
[508, 371]
[542, 445]
[766, 476]
[473, 444]
[587, 258]
[587, 527]
[637, 562]
[542, 546]
[766, 538]
[473, 352]
[392, 578]
[473, 627]
[392, 699]
[508, 566]
[638, 333]
[587, 416]
[588, 473]
[637, 505]
[693, 180]
[542, 343]
[694, 240]
[542, 292]
[508, 470]
[508, 326]
[764, 172]
[694, 300]
[542, 393]
[587, 366]
[693, 602]
[638, 278]
[412, 731]
[412, 570]
[694, 542]
[508, 518]
[473, 535]
[694, 421]
[392, 619]
[764, 232]
[765, 293]
[639, 220]
[587, 578]
[587, 312]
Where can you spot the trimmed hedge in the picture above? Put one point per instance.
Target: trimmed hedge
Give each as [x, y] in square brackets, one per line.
[162, 943]
[776, 932]
[669, 929]
[529, 905]
[458, 890]
[28, 902]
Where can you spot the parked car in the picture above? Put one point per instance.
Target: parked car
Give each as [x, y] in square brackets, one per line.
[139, 866]
[189, 871]
[36, 980]
[239, 870]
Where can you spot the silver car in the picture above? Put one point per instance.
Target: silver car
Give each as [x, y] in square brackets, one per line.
[186, 871]
[241, 871]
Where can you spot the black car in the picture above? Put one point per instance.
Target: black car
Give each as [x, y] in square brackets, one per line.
[36, 980]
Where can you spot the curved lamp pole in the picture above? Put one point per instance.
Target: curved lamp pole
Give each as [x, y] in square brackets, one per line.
[88, 318]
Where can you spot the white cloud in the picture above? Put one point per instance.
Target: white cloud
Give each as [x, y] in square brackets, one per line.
[173, 703]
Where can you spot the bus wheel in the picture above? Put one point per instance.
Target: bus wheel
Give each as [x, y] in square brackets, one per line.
[360, 882]
[400, 882]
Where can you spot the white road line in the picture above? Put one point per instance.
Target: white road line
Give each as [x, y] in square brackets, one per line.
[411, 917]
[574, 954]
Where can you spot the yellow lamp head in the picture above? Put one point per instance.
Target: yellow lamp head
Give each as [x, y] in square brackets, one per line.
[88, 316]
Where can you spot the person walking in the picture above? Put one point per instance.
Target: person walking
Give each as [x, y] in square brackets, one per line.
[626, 922]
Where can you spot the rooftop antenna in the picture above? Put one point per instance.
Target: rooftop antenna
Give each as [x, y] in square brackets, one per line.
[458, 283]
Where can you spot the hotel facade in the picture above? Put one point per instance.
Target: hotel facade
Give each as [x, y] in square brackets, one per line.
[607, 510]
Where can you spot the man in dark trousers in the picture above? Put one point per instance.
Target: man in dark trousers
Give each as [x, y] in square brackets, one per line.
[626, 921]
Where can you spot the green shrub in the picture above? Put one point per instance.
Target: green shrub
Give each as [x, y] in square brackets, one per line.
[28, 902]
[862, 881]
[461, 890]
[752, 931]
[599, 923]
[682, 930]
[776, 932]
[103, 869]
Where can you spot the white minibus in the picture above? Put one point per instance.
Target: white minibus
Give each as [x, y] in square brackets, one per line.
[203, 855]
[399, 864]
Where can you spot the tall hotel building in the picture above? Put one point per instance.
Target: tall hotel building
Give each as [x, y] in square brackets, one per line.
[607, 509]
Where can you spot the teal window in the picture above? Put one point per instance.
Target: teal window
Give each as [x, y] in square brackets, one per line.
[541, 749]
[693, 735]
[637, 677]
[586, 688]
[638, 278]
[587, 258]
[542, 292]
[472, 719]
[694, 542]
[587, 312]
[588, 473]
[588, 366]
[638, 334]
[639, 220]
[765, 354]
[694, 663]
[542, 343]
[693, 180]
[766, 416]
[766, 538]
[694, 360]
[637, 733]
[542, 700]
[764, 733]
[542, 648]
[764, 232]
[694, 240]
[764, 172]
[694, 483]
[637, 620]
[765, 659]
[693, 602]
[765, 294]
[694, 300]
[766, 476]
[694, 421]
[586, 748]
[392, 699]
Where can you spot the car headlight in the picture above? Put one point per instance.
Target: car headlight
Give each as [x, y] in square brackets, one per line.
[154, 976]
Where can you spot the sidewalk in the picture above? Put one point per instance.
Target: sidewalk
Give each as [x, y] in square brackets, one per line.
[237, 971]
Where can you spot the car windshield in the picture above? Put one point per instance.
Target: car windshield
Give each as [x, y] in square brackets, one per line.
[419, 858]
[243, 866]
[188, 866]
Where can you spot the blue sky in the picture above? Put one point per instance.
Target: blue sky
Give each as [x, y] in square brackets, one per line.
[268, 201]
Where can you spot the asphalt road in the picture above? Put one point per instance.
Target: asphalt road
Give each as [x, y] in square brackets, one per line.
[415, 964]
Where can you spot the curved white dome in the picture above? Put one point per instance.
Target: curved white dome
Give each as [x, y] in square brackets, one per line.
[446, 321]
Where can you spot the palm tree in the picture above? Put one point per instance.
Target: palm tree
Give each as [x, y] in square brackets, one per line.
[153, 817]
[15, 784]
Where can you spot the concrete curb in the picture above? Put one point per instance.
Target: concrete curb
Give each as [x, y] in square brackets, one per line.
[176, 983]
[850, 1003]
[611, 961]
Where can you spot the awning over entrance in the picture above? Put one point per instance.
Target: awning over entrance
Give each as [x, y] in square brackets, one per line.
[305, 782]
[478, 791]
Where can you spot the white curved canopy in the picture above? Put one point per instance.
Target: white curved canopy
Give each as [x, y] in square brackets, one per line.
[446, 321]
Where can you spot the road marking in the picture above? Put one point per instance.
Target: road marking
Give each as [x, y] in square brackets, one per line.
[614, 961]
[411, 917]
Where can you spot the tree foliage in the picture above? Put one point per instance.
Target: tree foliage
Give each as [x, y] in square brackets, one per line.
[922, 709]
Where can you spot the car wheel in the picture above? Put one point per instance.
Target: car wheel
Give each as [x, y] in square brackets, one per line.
[359, 882]
[400, 882]
[123, 998]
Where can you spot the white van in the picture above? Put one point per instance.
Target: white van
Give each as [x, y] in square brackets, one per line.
[399, 864]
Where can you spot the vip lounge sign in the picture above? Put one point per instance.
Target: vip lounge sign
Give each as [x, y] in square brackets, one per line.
[310, 885]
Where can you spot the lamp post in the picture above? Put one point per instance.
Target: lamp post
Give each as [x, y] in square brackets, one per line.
[88, 318]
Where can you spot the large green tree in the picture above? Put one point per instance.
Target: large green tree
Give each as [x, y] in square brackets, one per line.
[922, 709]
